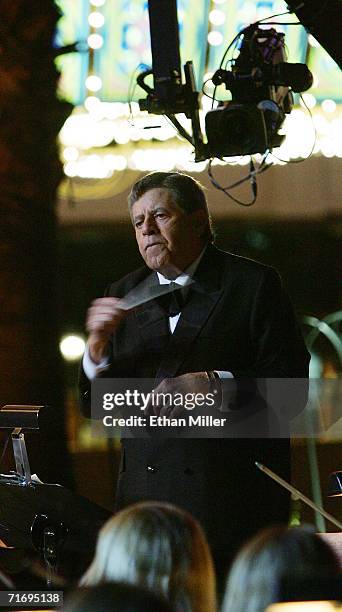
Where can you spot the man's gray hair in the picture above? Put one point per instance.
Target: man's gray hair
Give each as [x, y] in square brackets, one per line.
[186, 192]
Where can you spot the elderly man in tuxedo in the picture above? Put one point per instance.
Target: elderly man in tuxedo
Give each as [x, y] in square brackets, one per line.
[233, 321]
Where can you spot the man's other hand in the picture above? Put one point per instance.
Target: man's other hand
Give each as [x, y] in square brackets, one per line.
[186, 385]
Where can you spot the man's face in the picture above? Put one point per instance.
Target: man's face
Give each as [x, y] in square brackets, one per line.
[169, 239]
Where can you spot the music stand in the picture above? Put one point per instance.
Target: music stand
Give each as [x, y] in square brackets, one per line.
[50, 519]
[20, 419]
[44, 517]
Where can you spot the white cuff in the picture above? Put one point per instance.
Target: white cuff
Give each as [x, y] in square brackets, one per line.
[228, 397]
[90, 368]
[224, 374]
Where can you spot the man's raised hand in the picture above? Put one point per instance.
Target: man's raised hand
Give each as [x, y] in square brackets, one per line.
[103, 318]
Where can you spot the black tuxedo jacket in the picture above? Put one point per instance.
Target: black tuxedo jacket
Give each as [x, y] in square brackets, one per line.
[237, 318]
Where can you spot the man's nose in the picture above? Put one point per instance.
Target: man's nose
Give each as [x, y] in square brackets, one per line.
[149, 226]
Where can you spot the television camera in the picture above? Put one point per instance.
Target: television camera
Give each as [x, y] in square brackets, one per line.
[261, 83]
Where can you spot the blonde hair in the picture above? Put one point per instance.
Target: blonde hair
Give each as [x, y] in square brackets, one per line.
[160, 547]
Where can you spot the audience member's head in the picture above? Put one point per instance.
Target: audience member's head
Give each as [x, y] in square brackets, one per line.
[115, 597]
[160, 547]
[275, 555]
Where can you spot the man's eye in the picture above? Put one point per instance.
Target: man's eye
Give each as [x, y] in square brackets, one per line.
[160, 215]
[138, 223]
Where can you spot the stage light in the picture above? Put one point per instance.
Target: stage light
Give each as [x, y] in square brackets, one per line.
[215, 38]
[70, 169]
[328, 106]
[91, 103]
[95, 41]
[217, 17]
[72, 347]
[96, 19]
[70, 154]
[93, 83]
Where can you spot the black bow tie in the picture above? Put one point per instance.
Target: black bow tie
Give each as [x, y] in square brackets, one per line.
[172, 302]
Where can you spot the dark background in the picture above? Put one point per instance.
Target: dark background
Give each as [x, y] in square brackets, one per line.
[305, 253]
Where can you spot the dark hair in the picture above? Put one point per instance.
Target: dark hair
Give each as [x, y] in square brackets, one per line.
[272, 556]
[186, 192]
[115, 597]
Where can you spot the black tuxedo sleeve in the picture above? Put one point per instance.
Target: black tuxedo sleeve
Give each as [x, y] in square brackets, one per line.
[279, 347]
[281, 358]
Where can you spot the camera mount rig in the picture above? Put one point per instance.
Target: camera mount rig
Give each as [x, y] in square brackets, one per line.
[260, 83]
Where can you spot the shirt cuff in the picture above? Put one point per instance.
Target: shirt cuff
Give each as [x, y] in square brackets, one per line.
[228, 396]
[224, 374]
[90, 368]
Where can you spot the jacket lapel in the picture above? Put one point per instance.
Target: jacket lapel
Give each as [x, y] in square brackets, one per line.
[203, 296]
[152, 321]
